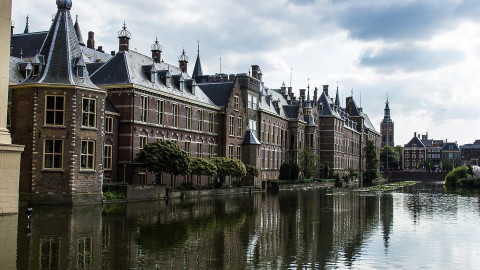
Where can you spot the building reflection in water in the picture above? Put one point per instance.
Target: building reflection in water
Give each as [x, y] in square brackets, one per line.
[313, 228]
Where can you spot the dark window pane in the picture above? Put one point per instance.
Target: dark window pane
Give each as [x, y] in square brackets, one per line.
[50, 102]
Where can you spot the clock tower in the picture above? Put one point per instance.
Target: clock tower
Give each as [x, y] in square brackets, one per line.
[387, 127]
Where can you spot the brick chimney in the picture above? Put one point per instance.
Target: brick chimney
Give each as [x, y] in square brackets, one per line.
[256, 72]
[91, 40]
[302, 94]
[325, 89]
[157, 51]
[124, 39]
[183, 62]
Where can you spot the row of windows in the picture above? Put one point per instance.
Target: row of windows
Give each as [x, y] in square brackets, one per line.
[235, 154]
[55, 111]
[144, 141]
[160, 111]
[54, 151]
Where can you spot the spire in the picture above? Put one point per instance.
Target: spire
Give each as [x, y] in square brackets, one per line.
[386, 116]
[197, 70]
[124, 38]
[156, 51]
[337, 98]
[78, 32]
[27, 27]
[183, 61]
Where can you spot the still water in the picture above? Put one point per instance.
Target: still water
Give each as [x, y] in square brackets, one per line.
[420, 227]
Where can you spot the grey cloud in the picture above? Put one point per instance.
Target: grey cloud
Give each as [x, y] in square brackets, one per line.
[392, 20]
[408, 58]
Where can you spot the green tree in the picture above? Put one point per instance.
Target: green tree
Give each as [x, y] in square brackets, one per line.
[389, 157]
[285, 171]
[164, 156]
[200, 166]
[229, 166]
[447, 165]
[251, 170]
[294, 171]
[308, 163]
[371, 161]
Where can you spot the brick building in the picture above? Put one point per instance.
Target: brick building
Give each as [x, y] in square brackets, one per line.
[83, 116]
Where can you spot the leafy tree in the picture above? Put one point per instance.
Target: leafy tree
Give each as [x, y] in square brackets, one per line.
[251, 170]
[308, 163]
[294, 172]
[229, 166]
[446, 165]
[285, 171]
[389, 157]
[200, 166]
[164, 156]
[371, 161]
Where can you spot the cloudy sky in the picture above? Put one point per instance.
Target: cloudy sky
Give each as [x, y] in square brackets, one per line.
[424, 53]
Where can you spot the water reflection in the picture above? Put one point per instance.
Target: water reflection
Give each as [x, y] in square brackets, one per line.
[300, 229]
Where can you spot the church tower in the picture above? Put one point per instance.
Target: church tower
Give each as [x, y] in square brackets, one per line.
[387, 127]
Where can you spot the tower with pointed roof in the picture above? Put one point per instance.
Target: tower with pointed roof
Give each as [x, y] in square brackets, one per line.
[124, 39]
[387, 127]
[57, 113]
[156, 51]
[197, 70]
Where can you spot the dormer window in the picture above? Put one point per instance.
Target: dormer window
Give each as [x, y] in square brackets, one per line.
[36, 70]
[80, 72]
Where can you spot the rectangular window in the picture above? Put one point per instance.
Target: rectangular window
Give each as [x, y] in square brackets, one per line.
[54, 110]
[108, 124]
[175, 115]
[211, 124]
[187, 148]
[239, 127]
[199, 150]
[210, 150]
[253, 125]
[143, 108]
[239, 152]
[89, 112]
[143, 141]
[53, 154]
[200, 120]
[50, 253]
[236, 103]
[230, 151]
[188, 115]
[160, 111]
[87, 155]
[254, 102]
[231, 125]
[107, 159]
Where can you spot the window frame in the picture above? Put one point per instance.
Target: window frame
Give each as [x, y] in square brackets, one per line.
[88, 115]
[54, 110]
[107, 157]
[175, 115]
[108, 124]
[53, 154]
[86, 156]
[143, 109]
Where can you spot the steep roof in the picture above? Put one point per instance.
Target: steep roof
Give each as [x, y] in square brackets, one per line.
[197, 70]
[415, 140]
[250, 138]
[60, 53]
[218, 92]
[453, 145]
[130, 67]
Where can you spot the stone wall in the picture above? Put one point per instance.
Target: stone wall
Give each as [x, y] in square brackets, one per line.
[417, 176]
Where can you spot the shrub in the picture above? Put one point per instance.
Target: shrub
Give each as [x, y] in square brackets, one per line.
[469, 183]
[285, 171]
[111, 196]
[294, 172]
[456, 174]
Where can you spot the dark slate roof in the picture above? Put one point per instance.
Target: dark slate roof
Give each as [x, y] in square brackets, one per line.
[218, 92]
[197, 70]
[326, 107]
[367, 123]
[454, 146]
[250, 138]
[415, 140]
[291, 111]
[109, 107]
[309, 119]
[61, 52]
[15, 76]
[27, 44]
[92, 67]
[130, 67]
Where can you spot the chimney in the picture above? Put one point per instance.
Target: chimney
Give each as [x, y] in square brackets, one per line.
[256, 72]
[302, 94]
[156, 51]
[112, 53]
[100, 49]
[315, 95]
[325, 89]
[124, 39]
[91, 40]
[12, 26]
[415, 134]
[183, 62]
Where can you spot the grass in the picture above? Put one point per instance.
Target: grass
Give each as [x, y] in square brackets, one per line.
[387, 187]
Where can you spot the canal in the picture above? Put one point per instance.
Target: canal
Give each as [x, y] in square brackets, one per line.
[419, 227]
